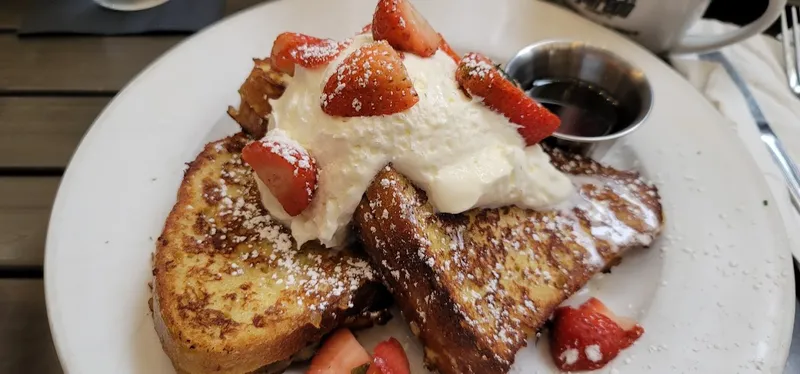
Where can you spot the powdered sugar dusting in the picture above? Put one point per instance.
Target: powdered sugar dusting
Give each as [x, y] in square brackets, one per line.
[369, 73]
[261, 251]
[593, 353]
[478, 67]
[493, 260]
[570, 356]
[316, 53]
[281, 144]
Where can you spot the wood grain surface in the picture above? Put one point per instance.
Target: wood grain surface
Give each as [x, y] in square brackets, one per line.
[11, 13]
[25, 342]
[51, 90]
[85, 64]
[43, 132]
[25, 204]
[76, 64]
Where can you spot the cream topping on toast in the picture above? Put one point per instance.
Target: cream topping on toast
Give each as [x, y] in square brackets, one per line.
[463, 154]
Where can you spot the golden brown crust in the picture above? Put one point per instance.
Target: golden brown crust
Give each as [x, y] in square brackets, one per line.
[475, 286]
[258, 88]
[231, 293]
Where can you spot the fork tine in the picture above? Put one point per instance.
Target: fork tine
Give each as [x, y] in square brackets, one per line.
[789, 66]
[788, 53]
[796, 47]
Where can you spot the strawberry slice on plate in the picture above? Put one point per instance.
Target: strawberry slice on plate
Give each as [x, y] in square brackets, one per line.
[588, 337]
[286, 169]
[627, 324]
[339, 354]
[478, 77]
[400, 24]
[389, 358]
[292, 49]
[371, 81]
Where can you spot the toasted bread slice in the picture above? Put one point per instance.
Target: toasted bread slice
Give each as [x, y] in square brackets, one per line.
[475, 286]
[231, 292]
[259, 87]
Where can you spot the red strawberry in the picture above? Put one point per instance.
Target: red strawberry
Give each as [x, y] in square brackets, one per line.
[286, 169]
[389, 358]
[589, 337]
[449, 50]
[372, 81]
[339, 354]
[307, 51]
[596, 305]
[366, 29]
[397, 22]
[479, 77]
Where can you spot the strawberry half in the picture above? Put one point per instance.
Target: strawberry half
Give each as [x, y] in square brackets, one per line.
[389, 358]
[397, 22]
[291, 48]
[339, 354]
[449, 50]
[478, 77]
[625, 323]
[286, 169]
[589, 337]
[371, 81]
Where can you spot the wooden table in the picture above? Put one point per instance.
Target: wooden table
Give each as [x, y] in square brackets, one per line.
[51, 89]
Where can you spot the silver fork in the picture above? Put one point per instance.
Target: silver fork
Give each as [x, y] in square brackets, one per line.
[791, 52]
[791, 55]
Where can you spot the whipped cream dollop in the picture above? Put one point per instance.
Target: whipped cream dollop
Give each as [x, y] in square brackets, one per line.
[461, 153]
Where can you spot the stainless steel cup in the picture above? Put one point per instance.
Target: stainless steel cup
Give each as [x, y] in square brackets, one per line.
[569, 61]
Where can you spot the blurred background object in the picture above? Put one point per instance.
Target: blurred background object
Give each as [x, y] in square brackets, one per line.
[130, 5]
[661, 26]
[89, 18]
[742, 12]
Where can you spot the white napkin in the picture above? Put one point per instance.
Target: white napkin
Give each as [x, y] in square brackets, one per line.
[759, 60]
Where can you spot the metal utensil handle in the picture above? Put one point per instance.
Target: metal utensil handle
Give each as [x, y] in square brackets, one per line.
[779, 154]
[788, 168]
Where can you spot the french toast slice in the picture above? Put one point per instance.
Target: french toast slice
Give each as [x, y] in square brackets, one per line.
[262, 84]
[473, 287]
[232, 293]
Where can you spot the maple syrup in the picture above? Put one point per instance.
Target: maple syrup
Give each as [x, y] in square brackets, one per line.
[585, 110]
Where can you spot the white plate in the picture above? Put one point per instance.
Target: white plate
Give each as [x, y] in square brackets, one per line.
[715, 293]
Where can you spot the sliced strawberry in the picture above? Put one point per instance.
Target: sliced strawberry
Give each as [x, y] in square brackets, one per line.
[339, 354]
[366, 29]
[372, 81]
[479, 77]
[596, 305]
[397, 22]
[449, 50]
[390, 358]
[307, 51]
[587, 338]
[286, 169]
